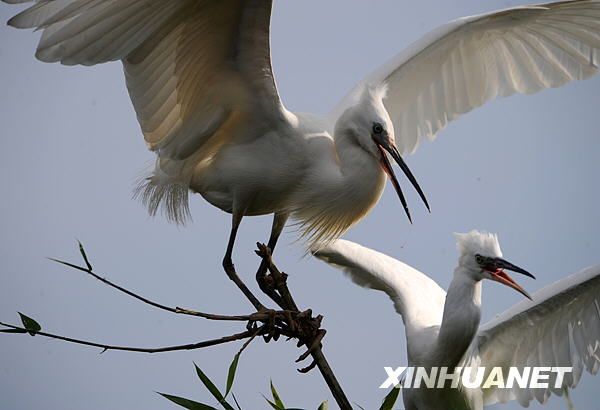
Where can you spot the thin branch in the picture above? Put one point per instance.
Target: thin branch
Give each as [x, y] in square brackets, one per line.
[289, 322]
[314, 342]
[210, 316]
[191, 346]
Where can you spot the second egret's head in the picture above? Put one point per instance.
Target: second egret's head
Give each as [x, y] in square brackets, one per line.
[481, 258]
[368, 124]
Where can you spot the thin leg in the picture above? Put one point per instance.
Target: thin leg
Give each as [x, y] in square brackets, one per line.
[228, 263]
[279, 221]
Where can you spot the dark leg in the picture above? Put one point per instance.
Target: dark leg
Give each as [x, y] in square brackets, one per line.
[228, 263]
[279, 221]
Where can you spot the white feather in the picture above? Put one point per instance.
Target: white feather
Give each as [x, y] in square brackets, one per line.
[560, 327]
[472, 60]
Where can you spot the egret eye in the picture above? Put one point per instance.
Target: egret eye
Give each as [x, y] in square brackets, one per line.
[377, 128]
[479, 259]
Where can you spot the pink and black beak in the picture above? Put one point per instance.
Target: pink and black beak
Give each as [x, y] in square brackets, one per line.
[383, 142]
[496, 267]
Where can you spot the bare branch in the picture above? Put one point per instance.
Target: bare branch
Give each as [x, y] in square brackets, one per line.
[315, 335]
[290, 322]
[105, 347]
[210, 316]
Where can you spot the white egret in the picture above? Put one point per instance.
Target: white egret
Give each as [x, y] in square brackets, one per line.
[200, 79]
[558, 327]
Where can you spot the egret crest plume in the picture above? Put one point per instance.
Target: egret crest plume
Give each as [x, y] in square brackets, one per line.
[478, 242]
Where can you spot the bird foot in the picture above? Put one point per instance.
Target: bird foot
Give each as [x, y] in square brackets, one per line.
[274, 322]
[310, 335]
[289, 321]
[295, 325]
[270, 284]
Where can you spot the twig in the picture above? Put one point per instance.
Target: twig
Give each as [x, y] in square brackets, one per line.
[289, 322]
[210, 316]
[105, 347]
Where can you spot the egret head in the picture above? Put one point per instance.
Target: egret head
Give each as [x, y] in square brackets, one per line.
[369, 126]
[481, 258]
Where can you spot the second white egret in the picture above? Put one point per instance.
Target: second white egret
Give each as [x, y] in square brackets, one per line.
[559, 327]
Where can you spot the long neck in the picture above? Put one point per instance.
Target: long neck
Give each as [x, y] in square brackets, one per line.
[361, 179]
[462, 312]
[340, 192]
[354, 161]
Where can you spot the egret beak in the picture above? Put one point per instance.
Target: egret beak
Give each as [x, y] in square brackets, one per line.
[496, 269]
[385, 144]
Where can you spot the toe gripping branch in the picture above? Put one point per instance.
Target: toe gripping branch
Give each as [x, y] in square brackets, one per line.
[289, 321]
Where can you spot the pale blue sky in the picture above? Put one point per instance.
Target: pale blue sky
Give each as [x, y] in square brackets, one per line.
[525, 167]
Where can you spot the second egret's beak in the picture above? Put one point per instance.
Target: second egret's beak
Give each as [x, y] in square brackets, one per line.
[496, 269]
[383, 143]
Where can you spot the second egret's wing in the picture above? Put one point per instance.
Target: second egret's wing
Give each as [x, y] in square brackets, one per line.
[198, 71]
[416, 297]
[559, 328]
[472, 60]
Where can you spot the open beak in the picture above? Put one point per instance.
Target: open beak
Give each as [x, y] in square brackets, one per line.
[384, 144]
[496, 269]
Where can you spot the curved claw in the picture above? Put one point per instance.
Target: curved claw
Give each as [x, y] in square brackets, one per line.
[316, 344]
[308, 368]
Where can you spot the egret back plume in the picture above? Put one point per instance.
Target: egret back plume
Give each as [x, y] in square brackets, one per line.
[171, 198]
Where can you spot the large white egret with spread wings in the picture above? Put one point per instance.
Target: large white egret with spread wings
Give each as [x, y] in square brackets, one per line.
[558, 327]
[200, 79]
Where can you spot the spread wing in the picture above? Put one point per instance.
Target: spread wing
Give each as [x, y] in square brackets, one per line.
[560, 327]
[472, 60]
[198, 72]
[416, 297]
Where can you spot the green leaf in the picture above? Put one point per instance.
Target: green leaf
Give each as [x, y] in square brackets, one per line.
[390, 399]
[273, 405]
[212, 388]
[84, 256]
[233, 367]
[231, 372]
[31, 325]
[13, 331]
[188, 404]
[324, 406]
[276, 397]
